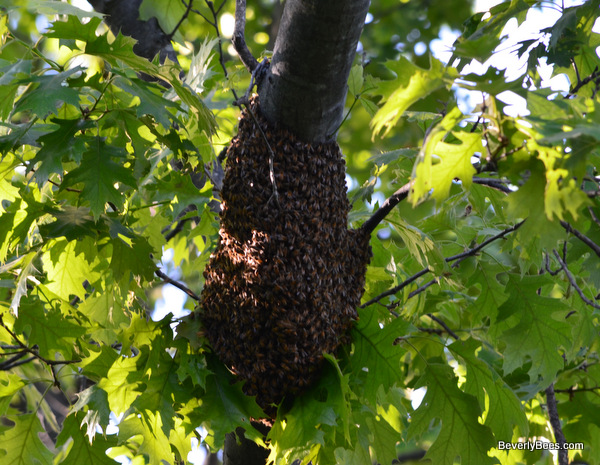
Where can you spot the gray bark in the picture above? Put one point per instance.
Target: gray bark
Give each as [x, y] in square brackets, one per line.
[305, 87]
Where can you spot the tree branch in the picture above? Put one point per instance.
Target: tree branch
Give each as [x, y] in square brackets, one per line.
[586, 240]
[401, 194]
[35, 355]
[571, 279]
[443, 325]
[183, 18]
[369, 226]
[454, 258]
[493, 183]
[177, 284]
[239, 41]
[563, 454]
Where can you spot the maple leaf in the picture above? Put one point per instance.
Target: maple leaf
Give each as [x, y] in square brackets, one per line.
[21, 443]
[43, 98]
[84, 450]
[411, 84]
[461, 433]
[504, 407]
[99, 174]
[533, 328]
[66, 270]
[51, 331]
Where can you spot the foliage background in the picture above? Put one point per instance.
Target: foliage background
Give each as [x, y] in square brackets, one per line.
[101, 171]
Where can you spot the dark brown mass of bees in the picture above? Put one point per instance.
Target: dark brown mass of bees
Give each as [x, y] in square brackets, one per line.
[286, 278]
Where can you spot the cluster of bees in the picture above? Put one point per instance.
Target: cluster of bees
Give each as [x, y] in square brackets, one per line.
[283, 285]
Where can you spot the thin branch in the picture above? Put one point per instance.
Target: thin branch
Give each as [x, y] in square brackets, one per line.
[369, 226]
[443, 325]
[397, 288]
[571, 279]
[215, 24]
[454, 258]
[8, 364]
[594, 76]
[574, 390]
[239, 41]
[586, 240]
[493, 183]
[401, 194]
[183, 18]
[35, 355]
[177, 284]
[559, 437]
[6, 367]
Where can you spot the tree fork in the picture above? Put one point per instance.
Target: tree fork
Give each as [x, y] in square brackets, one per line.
[305, 87]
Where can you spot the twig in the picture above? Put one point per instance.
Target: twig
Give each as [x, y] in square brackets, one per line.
[369, 226]
[177, 284]
[401, 194]
[559, 437]
[397, 288]
[582, 82]
[182, 220]
[34, 352]
[571, 279]
[239, 41]
[586, 240]
[443, 325]
[458, 258]
[493, 183]
[185, 15]
[11, 362]
[215, 24]
[574, 390]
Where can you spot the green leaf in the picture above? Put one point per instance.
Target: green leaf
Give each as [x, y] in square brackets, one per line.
[84, 449]
[123, 382]
[51, 331]
[443, 163]
[66, 270]
[155, 446]
[537, 329]
[108, 311]
[27, 271]
[8, 191]
[461, 434]
[99, 174]
[376, 351]
[72, 223]
[132, 256]
[504, 408]
[10, 384]
[162, 388]
[355, 80]
[10, 81]
[21, 444]
[168, 13]
[57, 145]
[42, 99]
[410, 85]
[225, 407]
[151, 102]
[51, 7]
[94, 402]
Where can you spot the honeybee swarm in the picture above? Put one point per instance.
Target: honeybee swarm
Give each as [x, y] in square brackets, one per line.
[283, 285]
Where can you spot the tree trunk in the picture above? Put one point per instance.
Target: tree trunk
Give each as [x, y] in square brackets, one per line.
[305, 88]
